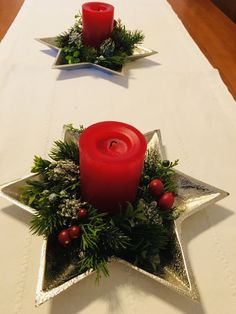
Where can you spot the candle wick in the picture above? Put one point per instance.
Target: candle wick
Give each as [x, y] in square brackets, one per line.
[112, 142]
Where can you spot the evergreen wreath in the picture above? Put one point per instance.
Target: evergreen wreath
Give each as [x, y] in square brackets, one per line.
[86, 237]
[112, 53]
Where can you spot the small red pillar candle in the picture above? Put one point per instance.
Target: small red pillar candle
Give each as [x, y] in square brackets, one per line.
[97, 20]
[111, 161]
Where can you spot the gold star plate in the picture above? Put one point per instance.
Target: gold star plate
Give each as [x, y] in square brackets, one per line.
[176, 273]
[139, 52]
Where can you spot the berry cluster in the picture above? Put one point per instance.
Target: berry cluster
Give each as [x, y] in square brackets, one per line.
[165, 200]
[65, 236]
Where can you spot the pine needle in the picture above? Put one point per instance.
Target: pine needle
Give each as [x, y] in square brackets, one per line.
[65, 150]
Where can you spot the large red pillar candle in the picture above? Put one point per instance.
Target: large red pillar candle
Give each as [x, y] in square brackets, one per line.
[97, 20]
[111, 161]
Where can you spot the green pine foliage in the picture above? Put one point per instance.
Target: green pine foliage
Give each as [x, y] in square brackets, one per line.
[113, 240]
[46, 221]
[147, 240]
[125, 40]
[55, 182]
[93, 260]
[112, 53]
[40, 165]
[114, 62]
[91, 229]
[32, 191]
[62, 39]
[63, 150]
[138, 233]
[132, 215]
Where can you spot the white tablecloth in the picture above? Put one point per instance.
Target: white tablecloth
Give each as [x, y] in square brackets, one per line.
[177, 91]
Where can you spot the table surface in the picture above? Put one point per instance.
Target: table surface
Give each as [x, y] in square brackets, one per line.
[177, 91]
[209, 27]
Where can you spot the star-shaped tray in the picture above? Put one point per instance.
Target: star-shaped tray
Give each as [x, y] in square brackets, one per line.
[139, 52]
[176, 273]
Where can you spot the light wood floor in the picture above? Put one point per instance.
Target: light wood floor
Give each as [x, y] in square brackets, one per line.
[8, 11]
[214, 33]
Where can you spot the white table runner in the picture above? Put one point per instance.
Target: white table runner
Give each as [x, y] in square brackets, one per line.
[177, 91]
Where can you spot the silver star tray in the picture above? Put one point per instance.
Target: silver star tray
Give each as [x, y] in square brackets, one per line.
[176, 274]
[139, 52]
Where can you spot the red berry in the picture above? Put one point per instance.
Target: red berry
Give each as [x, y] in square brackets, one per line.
[156, 187]
[166, 201]
[82, 213]
[64, 237]
[74, 232]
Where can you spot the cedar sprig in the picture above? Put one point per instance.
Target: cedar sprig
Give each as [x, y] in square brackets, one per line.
[146, 237]
[129, 217]
[71, 54]
[147, 240]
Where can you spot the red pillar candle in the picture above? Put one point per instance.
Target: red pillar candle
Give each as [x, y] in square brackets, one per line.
[97, 20]
[111, 161]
